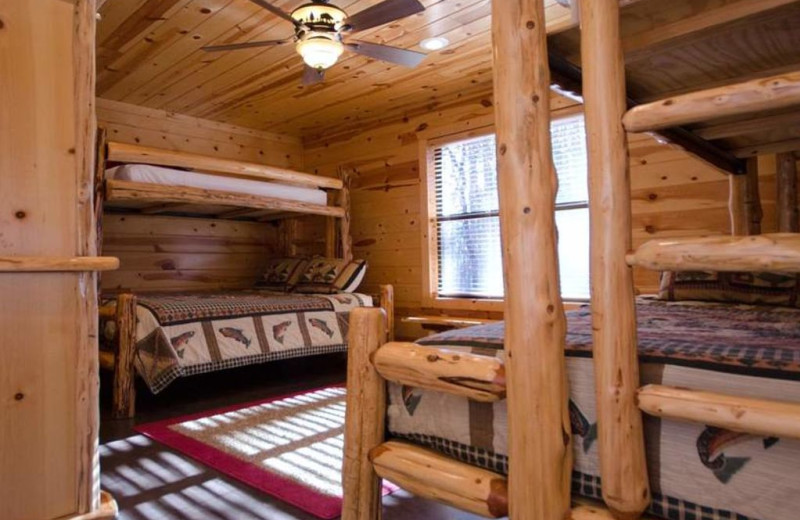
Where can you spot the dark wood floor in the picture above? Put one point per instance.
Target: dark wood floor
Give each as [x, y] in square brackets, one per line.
[152, 482]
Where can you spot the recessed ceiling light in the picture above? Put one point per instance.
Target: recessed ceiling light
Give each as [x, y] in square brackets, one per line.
[434, 44]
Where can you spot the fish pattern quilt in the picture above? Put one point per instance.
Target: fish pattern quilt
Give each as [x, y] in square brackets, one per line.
[697, 472]
[180, 334]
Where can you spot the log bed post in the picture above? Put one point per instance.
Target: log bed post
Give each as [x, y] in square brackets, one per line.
[752, 198]
[623, 466]
[540, 451]
[124, 393]
[387, 304]
[786, 196]
[344, 222]
[365, 419]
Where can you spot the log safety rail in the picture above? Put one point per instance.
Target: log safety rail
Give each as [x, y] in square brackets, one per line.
[768, 252]
[53, 264]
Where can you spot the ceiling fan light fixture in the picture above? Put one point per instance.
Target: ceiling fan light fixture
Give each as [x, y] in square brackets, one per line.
[320, 52]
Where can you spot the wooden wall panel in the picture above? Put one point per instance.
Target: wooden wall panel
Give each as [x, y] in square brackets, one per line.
[174, 253]
[674, 194]
[160, 129]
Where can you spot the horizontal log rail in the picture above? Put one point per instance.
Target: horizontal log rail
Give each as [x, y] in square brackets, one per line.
[748, 97]
[55, 264]
[431, 475]
[740, 414]
[132, 153]
[480, 378]
[768, 252]
[127, 191]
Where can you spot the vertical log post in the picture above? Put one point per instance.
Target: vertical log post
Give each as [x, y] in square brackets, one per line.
[344, 224]
[786, 195]
[331, 224]
[736, 202]
[621, 437]
[124, 394]
[752, 198]
[387, 304]
[540, 451]
[365, 419]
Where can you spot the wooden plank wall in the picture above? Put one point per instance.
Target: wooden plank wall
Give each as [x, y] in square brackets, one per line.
[174, 253]
[674, 194]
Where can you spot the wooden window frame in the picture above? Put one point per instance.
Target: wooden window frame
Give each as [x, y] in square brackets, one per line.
[430, 264]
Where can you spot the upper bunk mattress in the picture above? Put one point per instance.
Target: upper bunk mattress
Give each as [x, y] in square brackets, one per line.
[167, 176]
[696, 472]
[180, 334]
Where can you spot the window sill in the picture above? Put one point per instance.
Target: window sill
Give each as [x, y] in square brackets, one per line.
[480, 304]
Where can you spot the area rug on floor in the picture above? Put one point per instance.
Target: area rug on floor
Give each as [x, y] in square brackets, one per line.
[289, 447]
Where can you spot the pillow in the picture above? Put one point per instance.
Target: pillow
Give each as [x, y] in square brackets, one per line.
[331, 275]
[763, 288]
[282, 274]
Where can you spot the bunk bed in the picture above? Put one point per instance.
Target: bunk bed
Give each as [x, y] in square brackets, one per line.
[715, 373]
[165, 335]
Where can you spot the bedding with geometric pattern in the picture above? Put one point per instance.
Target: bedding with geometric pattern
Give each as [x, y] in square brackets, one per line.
[181, 334]
[697, 472]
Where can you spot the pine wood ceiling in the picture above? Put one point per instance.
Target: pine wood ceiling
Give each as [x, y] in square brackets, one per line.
[149, 54]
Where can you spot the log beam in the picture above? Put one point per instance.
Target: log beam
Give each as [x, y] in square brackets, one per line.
[434, 476]
[365, 416]
[480, 378]
[749, 97]
[735, 413]
[540, 451]
[786, 195]
[768, 252]
[124, 392]
[623, 465]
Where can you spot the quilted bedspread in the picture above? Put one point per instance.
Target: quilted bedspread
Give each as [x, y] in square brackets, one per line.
[184, 334]
[697, 472]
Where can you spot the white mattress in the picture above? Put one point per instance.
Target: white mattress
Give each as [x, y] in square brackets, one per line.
[159, 175]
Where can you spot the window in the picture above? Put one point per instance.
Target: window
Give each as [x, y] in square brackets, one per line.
[465, 250]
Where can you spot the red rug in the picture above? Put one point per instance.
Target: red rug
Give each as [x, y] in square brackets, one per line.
[289, 447]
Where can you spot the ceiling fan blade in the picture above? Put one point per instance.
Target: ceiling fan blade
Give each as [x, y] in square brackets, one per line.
[385, 12]
[277, 11]
[245, 45]
[312, 76]
[385, 53]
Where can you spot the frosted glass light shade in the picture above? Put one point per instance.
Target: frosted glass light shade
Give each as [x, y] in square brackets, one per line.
[320, 53]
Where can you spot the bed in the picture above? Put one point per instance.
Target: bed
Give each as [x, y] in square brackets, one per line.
[150, 174]
[697, 471]
[164, 336]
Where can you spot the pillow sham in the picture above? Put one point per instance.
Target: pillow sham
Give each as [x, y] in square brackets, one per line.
[331, 275]
[282, 274]
[764, 288]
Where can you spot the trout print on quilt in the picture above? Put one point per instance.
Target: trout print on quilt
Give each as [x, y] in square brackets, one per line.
[321, 325]
[179, 341]
[279, 331]
[710, 447]
[236, 335]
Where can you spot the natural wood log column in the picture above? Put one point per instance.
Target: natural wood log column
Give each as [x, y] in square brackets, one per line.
[387, 304]
[752, 198]
[736, 202]
[124, 394]
[623, 465]
[366, 415]
[540, 450]
[344, 224]
[786, 196]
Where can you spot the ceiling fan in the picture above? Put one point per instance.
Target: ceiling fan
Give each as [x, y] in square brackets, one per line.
[320, 29]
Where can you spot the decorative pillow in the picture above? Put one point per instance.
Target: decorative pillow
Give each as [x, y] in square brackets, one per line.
[331, 275]
[282, 274]
[763, 288]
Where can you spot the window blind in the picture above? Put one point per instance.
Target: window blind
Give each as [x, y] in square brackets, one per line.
[467, 222]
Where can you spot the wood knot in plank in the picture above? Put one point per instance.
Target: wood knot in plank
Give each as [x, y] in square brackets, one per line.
[433, 358]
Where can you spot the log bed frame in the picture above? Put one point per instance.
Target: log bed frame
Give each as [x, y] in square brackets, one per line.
[533, 378]
[147, 198]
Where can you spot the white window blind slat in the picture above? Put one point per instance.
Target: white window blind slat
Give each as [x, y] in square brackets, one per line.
[468, 245]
